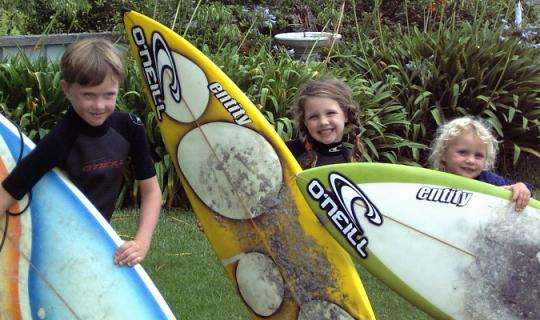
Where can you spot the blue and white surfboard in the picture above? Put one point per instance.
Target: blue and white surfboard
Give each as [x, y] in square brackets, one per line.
[57, 256]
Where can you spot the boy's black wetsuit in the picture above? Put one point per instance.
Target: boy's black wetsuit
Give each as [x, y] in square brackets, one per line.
[326, 153]
[92, 157]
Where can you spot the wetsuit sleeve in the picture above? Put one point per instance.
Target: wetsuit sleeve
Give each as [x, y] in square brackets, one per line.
[496, 180]
[47, 154]
[296, 147]
[493, 178]
[140, 151]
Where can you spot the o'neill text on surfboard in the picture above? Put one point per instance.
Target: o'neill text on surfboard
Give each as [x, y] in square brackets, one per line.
[340, 209]
[458, 198]
[156, 59]
[234, 108]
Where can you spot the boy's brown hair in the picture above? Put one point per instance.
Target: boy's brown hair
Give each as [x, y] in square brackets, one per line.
[88, 62]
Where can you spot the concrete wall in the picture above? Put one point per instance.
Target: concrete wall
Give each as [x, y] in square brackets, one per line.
[51, 46]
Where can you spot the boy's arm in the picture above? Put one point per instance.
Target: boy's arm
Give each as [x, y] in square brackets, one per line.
[49, 152]
[134, 251]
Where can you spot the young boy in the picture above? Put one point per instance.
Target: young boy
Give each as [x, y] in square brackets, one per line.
[92, 144]
[466, 147]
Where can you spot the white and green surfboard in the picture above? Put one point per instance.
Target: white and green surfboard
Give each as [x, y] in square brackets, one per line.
[450, 245]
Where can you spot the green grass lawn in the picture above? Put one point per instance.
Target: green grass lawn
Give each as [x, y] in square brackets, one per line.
[192, 281]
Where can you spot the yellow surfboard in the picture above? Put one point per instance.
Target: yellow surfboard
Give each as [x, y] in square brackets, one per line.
[239, 177]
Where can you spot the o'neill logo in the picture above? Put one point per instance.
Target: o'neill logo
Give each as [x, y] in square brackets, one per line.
[340, 208]
[156, 60]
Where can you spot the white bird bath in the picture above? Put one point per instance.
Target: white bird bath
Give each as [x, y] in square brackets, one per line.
[307, 44]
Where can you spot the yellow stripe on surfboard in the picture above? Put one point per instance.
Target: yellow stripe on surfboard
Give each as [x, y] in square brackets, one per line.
[239, 177]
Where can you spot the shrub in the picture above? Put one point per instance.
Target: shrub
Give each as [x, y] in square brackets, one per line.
[441, 75]
[411, 65]
[30, 94]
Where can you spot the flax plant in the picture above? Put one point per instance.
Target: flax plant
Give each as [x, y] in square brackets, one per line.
[458, 71]
[30, 94]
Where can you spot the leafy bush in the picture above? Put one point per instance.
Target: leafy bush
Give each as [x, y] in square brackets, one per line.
[30, 94]
[441, 75]
[384, 119]
[411, 65]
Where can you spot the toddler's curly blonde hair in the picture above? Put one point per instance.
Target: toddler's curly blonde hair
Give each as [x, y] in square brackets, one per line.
[457, 127]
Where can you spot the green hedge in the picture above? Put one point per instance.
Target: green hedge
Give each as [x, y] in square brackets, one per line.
[407, 75]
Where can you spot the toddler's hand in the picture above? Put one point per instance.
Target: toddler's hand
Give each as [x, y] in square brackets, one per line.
[520, 195]
[131, 253]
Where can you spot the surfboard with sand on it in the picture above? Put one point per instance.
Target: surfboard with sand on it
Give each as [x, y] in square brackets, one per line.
[452, 246]
[239, 177]
[56, 261]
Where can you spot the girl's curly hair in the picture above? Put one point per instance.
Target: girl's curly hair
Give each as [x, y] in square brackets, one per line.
[339, 91]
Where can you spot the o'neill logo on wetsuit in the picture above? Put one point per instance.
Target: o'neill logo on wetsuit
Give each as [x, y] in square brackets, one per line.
[156, 59]
[341, 211]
